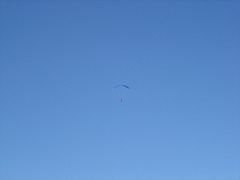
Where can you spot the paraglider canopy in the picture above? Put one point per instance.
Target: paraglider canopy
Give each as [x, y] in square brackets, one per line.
[121, 85]
[121, 90]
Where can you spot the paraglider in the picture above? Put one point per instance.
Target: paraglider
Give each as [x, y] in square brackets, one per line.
[121, 91]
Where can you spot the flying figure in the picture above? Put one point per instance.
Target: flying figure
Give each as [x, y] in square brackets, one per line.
[121, 90]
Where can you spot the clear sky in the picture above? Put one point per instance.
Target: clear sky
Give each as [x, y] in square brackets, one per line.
[60, 119]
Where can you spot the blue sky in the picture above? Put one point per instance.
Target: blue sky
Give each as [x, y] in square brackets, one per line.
[60, 119]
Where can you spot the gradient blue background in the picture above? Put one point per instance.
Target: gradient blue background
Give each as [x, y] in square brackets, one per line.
[60, 119]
